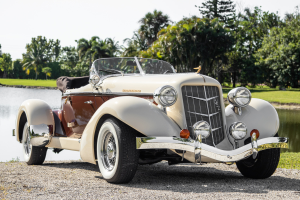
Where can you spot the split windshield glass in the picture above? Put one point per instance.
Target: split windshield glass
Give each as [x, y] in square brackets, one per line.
[108, 66]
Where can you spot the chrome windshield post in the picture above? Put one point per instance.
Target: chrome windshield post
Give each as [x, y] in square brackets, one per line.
[139, 66]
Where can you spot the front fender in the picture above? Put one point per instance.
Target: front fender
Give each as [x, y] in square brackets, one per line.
[259, 114]
[136, 112]
[37, 112]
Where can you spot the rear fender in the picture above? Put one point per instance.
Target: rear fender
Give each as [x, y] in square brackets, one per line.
[259, 114]
[38, 114]
[137, 113]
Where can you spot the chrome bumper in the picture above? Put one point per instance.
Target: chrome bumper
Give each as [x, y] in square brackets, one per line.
[193, 150]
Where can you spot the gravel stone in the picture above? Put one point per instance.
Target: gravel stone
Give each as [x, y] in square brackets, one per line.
[80, 180]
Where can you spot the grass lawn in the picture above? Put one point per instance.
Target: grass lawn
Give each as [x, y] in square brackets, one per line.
[28, 82]
[289, 160]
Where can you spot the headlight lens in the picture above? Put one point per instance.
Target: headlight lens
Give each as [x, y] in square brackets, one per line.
[165, 96]
[95, 79]
[202, 128]
[239, 97]
[238, 130]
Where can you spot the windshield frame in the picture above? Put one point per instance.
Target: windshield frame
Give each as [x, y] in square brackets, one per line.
[94, 72]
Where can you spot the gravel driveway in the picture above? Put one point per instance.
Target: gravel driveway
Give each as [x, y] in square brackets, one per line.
[79, 180]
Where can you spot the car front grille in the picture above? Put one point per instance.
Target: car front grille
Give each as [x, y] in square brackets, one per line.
[203, 103]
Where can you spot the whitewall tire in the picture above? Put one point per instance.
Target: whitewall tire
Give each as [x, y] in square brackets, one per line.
[116, 152]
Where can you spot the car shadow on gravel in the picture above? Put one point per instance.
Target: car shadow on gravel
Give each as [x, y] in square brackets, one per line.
[73, 165]
[194, 178]
[200, 179]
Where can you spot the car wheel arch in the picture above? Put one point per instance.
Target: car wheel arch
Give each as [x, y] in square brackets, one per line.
[22, 121]
[100, 122]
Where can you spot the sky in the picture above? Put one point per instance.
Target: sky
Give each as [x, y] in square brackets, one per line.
[70, 20]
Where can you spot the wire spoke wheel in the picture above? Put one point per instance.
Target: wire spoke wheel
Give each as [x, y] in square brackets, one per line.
[33, 155]
[108, 151]
[116, 151]
[26, 145]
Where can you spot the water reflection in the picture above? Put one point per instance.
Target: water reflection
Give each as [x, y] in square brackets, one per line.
[11, 99]
[290, 127]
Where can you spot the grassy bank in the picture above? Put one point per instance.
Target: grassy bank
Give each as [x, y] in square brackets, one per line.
[289, 160]
[28, 82]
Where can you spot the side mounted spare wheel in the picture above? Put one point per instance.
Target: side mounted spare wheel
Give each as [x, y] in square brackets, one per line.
[116, 151]
[32, 155]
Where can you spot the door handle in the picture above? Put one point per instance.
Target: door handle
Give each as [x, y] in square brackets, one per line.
[89, 102]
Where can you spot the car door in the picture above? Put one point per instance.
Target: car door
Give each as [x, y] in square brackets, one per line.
[77, 111]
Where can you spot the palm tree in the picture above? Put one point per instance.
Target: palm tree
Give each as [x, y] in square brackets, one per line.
[134, 45]
[37, 55]
[113, 47]
[99, 49]
[151, 24]
[47, 71]
[92, 49]
[84, 48]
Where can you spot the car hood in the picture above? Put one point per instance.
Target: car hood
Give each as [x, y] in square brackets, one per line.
[149, 83]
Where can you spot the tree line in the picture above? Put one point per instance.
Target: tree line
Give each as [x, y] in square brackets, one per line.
[250, 47]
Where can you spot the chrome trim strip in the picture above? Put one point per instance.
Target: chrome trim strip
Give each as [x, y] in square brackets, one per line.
[208, 111]
[202, 98]
[109, 94]
[139, 65]
[194, 149]
[215, 129]
[209, 115]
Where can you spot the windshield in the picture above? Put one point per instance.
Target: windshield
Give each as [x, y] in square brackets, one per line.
[153, 66]
[109, 66]
[116, 66]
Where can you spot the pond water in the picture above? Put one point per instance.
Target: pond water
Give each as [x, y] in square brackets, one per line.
[11, 99]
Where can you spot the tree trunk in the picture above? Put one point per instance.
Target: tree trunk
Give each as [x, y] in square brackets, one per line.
[220, 77]
[46, 76]
[4, 74]
[35, 75]
[233, 78]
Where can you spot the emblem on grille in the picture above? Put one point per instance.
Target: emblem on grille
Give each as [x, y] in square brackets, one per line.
[217, 104]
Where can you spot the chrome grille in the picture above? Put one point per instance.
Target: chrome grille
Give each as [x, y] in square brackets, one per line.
[203, 103]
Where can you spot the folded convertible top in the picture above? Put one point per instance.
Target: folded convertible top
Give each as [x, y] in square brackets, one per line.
[63, 83]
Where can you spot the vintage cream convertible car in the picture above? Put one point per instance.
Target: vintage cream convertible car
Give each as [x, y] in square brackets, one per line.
[133, 111]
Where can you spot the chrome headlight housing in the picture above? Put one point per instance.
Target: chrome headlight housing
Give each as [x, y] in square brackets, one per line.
[239, 97]
[95, 79]
[238, 130]
[202, 128]
[165, 96]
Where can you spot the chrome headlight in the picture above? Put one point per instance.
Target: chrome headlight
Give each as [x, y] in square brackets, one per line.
[165, 96]
[239, 97]
[95, 79]
[202, 128]
[238, 130]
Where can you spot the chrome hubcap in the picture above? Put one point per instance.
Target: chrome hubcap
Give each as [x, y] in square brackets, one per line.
[27, 146]
[108, 151]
